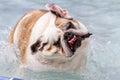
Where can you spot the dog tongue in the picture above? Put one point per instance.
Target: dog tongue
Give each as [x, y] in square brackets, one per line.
[72, 40]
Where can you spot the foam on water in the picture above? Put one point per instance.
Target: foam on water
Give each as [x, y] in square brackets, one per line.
[101, 17]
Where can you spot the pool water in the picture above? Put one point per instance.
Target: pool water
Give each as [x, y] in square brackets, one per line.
[101, 17]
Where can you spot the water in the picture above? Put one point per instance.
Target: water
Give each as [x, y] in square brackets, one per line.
[101, 17]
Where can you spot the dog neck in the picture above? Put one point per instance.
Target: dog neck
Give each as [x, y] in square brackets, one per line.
[77, 62]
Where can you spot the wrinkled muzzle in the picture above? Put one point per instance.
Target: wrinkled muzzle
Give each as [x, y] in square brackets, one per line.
[73, 40]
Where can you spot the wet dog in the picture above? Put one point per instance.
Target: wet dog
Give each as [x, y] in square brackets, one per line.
[51, 38]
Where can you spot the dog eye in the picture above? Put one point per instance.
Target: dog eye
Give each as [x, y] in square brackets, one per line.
[69, 25]
[57, 43]
[35, 46]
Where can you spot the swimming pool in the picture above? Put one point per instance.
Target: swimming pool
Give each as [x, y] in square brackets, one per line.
[101, 17]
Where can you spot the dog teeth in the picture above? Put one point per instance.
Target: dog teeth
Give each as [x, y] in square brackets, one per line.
[72, 40]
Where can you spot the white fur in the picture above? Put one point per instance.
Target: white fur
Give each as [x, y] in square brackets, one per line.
[83, 28]
[40, 26]
[44, 26]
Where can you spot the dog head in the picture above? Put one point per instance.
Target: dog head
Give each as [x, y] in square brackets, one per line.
[61, 37]
[56, 35]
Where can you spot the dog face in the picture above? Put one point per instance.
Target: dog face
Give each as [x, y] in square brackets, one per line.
[59, 37]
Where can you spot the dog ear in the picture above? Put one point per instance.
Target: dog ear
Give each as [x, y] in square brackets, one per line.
[57, 10]
[35, 46]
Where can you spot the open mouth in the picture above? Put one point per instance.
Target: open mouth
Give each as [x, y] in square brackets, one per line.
[73, 40]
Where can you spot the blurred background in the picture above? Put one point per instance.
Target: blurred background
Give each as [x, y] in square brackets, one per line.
[101, 17]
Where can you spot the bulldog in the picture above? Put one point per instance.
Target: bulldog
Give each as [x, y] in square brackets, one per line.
[51, 38]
